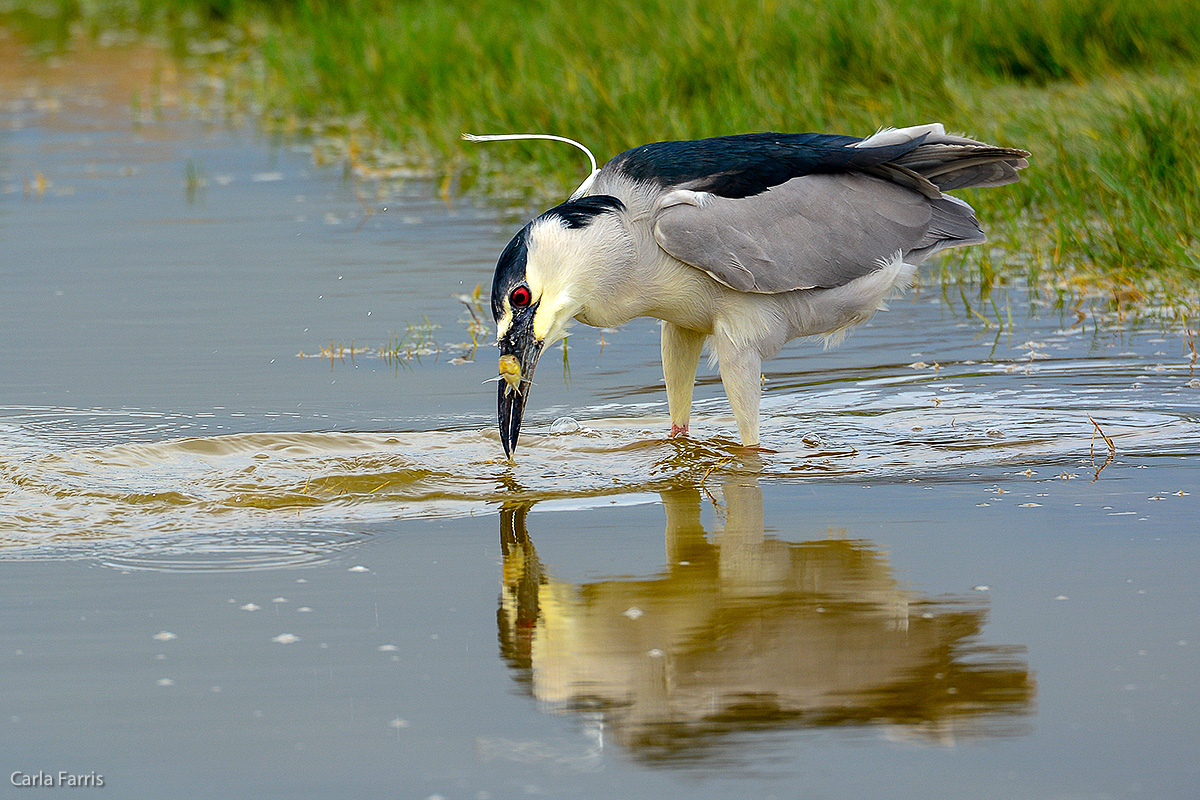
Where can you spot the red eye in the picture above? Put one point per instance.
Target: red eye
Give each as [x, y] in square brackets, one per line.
[520, 297]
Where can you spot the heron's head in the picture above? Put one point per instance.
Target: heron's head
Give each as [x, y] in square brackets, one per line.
[543, 278]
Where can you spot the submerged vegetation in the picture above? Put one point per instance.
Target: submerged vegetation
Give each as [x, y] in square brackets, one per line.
[1105, 93]
[417, 341]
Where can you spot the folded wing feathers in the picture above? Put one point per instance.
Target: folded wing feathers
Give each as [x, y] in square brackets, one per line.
[958, 166]
[905, 176]
[945, 161]
[820, 221]
[923, 158]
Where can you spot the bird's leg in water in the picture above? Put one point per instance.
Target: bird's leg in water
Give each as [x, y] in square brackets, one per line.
[681, 350]
[741, 375]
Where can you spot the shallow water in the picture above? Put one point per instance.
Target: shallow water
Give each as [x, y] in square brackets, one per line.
[321, 575]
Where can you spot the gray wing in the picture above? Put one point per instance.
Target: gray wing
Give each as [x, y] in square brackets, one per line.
[815, 231]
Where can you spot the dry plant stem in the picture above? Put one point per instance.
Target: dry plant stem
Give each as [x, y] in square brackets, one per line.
[1112, 448]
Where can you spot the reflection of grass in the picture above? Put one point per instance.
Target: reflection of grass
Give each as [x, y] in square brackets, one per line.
[1106, 93]
[191, 181]
[400, 351]
[416, 341]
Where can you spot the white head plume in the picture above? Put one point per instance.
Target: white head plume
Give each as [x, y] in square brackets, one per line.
[502, 137]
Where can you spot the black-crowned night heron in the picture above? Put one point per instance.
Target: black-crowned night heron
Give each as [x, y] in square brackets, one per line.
[745, 241]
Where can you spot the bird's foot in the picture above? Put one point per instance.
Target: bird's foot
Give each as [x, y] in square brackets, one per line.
[678, 430]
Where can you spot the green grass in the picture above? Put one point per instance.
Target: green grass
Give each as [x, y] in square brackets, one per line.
[1105, 93]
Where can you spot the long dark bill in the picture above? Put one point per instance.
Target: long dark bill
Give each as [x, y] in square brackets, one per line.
[519, 342]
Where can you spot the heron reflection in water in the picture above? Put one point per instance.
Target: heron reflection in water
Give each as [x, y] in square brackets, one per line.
[744, 631]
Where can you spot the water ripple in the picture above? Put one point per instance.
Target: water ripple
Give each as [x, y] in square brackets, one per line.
[254, 486]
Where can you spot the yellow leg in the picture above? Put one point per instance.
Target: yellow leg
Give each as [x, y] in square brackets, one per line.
[681, 350]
